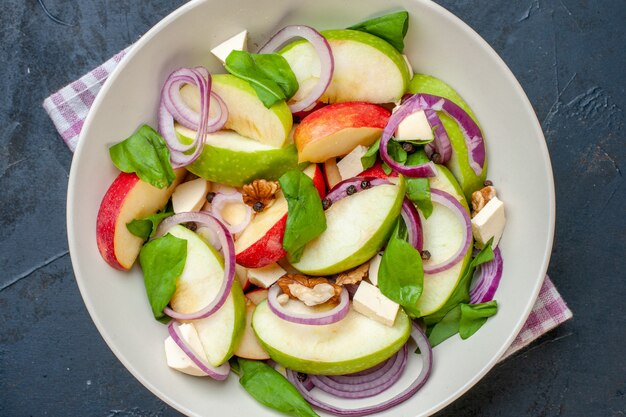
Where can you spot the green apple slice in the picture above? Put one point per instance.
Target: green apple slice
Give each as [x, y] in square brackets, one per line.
[367, 68]
[357, 227]
[351, 345]
[459, 162]
[246, 113]
[197, 286]
[232, 159]
[442, 236]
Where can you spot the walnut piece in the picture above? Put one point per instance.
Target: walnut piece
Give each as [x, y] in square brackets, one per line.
[481, 197]
[353, 276]
[260, 194]
[311, 291]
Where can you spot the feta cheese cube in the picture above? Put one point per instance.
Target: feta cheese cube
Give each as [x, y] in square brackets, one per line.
[414, 127]
[374, 267]
[239, 42]
[369, 301]
[266, 276]
[190, 195]
[489, 223]
[177, 359]
[350, 165]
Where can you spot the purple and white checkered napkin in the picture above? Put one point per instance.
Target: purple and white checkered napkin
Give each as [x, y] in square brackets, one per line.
[68, 109]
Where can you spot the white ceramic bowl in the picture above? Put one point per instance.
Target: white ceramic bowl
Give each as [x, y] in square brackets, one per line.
[438, 43]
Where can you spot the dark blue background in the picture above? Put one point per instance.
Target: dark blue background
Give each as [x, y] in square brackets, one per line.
[570, 57]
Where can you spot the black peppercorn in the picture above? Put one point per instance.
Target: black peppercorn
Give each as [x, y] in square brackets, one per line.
[210, 196]
[258, 207]
[487, 183]
[425, 255]
[192, 227]
[408, 147]
[365, 184]
[351, 190]
[436, 158]
[326, 203]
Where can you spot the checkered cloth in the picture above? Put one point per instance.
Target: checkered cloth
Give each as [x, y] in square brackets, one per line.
[68, 110]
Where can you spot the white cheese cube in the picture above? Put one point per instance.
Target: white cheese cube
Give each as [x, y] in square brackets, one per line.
[372, 274]
[369, 301]
[350, 165]
[239, 42]
[489, 223]
[414, 127]
[177, 359]
[190, 195]
[266, 276]
[408, 66]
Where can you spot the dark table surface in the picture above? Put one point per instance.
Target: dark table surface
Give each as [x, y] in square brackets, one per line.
[570, 57]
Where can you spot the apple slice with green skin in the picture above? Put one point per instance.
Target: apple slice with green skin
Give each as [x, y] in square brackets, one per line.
[246, 113]
[197, 286]
[357, 228]
[261, 242]
[459, 162]
[337, 129]
[350, 345]
[231, 159]
[367, 68]
[128, 198]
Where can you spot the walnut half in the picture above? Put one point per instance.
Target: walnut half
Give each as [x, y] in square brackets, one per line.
[353, 276]
[311, 291]
[481, 197]
[260, 194]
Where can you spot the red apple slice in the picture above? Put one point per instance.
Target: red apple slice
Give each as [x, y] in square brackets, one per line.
[249, 347]
[261, 243]
[128, 198]
[337, 129]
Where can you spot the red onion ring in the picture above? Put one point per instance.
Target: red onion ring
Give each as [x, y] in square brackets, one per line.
[220, 373]
[324, 52]
[427, 362]
[365, 386]
[340, 190]
[228, 250]
[413, 224]
[217, 205]
[316, 319]
[448, 201]
[441, 144]
[486, 279]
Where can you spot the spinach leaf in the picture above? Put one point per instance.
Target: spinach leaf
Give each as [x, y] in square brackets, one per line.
[162, 261]
[145, 154]
[473, 316]
[305, 216]
[418, 189]
[386, 168]
[447, 327]
[273, 390]
[146, 227]
[394, 148]
[461, 292]
[391, 27]
[401, 275]
[369, 159]
[269, 74]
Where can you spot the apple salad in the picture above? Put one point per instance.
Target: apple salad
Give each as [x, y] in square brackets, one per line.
[309, 217]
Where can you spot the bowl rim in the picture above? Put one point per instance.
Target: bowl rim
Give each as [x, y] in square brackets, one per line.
[475, 37]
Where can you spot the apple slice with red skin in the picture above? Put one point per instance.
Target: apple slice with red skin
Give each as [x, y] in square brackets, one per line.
[249, 347]
[261, 243]
[376, 171]
[128, 198]
[337, 129]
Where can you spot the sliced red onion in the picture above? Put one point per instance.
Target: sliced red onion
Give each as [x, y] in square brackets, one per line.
[364, 386]
[210, 236]
[315, 319]
[324, 52]
[228, 250]
[413, 224]
[486, 279]
[441, 145]
[220, 201]
[427, 362]
[220, 373]
[448, 201]
[340, 190]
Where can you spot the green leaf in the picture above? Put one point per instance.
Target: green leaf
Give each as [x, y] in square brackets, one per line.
[447, 327]
[473, 316]
[145, 154]
[418, 189]
[369, 159]
[386, 168]
[146, 227]
[305, 219]
[162, 261]
[269, 74]
[396, 152]
[391, 27]
[401, 275]
[273, 390]
[461, 292]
